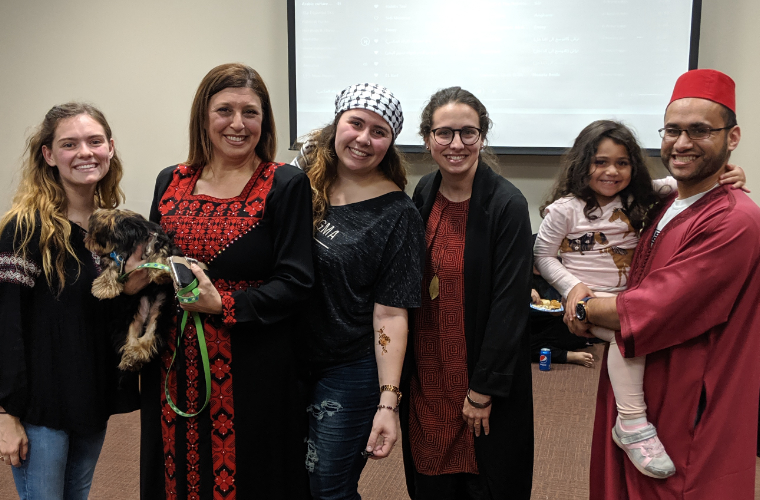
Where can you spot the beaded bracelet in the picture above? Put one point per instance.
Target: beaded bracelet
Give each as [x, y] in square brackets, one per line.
[394, 410]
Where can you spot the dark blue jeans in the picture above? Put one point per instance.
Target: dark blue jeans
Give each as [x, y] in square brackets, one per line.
[343, 402]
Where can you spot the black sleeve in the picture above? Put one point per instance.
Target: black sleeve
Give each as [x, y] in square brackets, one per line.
[417, 196]
[400, 279]
[18, 275]
[507, 326]
[162, 182]
[288, 205]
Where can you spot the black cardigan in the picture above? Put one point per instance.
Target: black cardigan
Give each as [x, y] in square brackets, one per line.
[497, 271]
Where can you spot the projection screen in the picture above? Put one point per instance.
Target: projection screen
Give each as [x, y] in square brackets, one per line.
[543, 68]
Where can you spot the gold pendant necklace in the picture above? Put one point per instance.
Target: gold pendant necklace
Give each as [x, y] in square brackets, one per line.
[433, 289]
[435, 284]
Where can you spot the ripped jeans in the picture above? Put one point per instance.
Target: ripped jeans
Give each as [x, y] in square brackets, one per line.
[343, 402]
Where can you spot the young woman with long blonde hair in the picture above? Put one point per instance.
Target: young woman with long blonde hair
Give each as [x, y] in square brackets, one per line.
[58, 377]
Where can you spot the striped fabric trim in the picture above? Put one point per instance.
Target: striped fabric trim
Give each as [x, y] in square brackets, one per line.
[17, 270]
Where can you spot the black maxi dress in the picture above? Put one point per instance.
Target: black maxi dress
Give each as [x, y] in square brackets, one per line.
[249, 441]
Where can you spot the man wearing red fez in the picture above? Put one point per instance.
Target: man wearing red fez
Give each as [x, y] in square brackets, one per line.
[693, 308]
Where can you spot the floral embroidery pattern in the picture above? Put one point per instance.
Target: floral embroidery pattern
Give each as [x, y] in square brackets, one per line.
[219, 369]
[228, 308]
[224, 481]
[17, 270]
[203, 227]
[192, 397]
[168, 420]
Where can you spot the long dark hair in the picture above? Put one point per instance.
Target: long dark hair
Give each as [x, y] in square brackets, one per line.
[573, 180]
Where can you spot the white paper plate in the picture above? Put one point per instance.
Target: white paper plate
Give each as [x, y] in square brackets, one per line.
[546, 309]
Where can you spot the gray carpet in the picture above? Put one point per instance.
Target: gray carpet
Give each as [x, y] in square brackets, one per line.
[564, 407]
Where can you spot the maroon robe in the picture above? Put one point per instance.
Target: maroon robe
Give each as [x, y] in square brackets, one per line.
[693, 309]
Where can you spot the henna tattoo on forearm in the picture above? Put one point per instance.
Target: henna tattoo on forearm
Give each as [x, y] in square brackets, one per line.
[383, 340]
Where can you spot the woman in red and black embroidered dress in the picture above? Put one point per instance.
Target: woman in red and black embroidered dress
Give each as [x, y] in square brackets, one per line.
[249, 220]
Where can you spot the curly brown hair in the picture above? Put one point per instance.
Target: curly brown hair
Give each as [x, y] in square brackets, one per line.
[226, 76]
[41, 199]
[321, 165]
[638, 198]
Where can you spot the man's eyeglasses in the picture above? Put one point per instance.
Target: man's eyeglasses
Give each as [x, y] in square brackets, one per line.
[694, 133]
[445, 135]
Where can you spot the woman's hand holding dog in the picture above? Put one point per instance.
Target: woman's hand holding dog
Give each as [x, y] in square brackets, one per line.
[138, 279]
[209, 300]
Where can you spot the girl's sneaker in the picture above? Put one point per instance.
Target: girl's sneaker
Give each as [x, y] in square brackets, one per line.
[645, 450]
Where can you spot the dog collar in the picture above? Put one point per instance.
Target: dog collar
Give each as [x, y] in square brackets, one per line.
[118, 259]
[150, 265]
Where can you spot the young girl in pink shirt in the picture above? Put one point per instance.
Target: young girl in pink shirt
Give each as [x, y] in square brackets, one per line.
[593, 220]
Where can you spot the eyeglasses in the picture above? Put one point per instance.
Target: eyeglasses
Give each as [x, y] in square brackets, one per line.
[445, 135]
[694, 133]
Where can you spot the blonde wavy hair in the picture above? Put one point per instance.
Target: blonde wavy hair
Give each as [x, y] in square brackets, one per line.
[40, 200]
[321, 162]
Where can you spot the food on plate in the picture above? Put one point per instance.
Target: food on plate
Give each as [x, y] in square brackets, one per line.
[551, 304]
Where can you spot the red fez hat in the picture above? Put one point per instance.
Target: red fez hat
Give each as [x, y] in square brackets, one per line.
[706, 84]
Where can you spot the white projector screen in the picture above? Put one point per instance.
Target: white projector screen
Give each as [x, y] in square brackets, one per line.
[544, 68]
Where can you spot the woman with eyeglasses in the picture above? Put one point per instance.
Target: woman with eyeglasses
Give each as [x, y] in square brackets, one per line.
[468, 423]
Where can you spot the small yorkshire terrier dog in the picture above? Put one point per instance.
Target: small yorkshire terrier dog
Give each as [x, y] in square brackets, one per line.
[114, 235]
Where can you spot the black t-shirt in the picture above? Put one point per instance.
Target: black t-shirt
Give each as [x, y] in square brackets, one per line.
[365, 253]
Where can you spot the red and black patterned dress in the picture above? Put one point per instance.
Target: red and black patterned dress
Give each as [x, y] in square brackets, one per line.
[249, 441]
[440, 440]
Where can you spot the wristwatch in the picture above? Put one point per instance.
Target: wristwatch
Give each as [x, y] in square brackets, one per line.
[580, 310]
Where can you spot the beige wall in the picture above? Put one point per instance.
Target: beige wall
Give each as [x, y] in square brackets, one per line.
[141, 62]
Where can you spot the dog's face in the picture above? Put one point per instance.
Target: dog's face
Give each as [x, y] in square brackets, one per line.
[115, 235]
[118, 231]
[121, 231]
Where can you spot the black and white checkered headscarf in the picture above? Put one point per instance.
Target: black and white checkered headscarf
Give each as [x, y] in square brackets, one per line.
[372, 97]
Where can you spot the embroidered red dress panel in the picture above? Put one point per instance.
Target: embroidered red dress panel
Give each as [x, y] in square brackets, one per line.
[203, 227]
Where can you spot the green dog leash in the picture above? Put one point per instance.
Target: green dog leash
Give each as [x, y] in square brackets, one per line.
[191, 289]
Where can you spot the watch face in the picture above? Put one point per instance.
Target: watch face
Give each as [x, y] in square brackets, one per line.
[580, 310]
